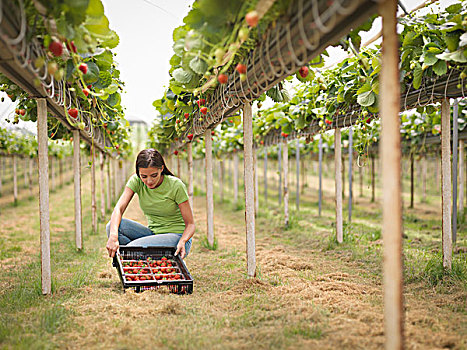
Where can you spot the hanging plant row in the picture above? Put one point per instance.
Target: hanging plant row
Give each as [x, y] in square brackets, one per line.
[433, 65]
[68, 50]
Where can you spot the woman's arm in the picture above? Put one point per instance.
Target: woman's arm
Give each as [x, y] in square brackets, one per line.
[189, 231]
[116, 218]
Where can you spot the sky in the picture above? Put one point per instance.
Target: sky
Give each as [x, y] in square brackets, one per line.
[145, 29]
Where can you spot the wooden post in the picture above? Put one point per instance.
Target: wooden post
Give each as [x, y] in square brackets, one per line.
[249, 189]
[461, 176]
[255, 170]
[2, 172]
[115, 179]
[42, 141]
[235, 179]
[52, 172]
[304, 174]
[446, 182]
[189, 150]
[60, 165]
[320, 190]
[285, 161]
[350, 171]
[297, 158]
[279, 171]
[390, 150]
[411, 180]
[266, 176]
[209, 189]
[77, 188]
[30, 165]
[25, 172]
[338, 184]
[373, 196]
[455, 146]
[178, 165]
[102, 185]
[15, 180]
[93, 189]
[343, 172]
[360, 172]
[109, 185]
[424, 173]
[221, 178]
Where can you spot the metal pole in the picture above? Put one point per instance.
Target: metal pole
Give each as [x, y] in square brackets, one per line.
[15, 181]
[390, 150]
[209, 189]
[235, 179]
[93, 189]
[297, 158]
[285, 160]
[42, 140]
[446, 183]
[102, 184]
[279, 153]
[266, 176]
[108, 183]
[77, 189]
[189, 150]
[338, 184]
[350, 171]
[411, 180]
[249, 189]
[320, 193]
[461, 176]
[455, 147]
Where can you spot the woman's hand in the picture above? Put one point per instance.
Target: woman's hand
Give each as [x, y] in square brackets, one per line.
[112, 245]
[181, 249]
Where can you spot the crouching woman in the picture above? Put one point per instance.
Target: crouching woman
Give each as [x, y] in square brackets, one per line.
[164, 201]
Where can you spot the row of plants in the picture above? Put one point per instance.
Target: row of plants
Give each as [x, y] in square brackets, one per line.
[25, 145]
[432, 46]
[77, 44]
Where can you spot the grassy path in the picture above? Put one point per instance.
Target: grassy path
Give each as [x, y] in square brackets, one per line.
[309, 292]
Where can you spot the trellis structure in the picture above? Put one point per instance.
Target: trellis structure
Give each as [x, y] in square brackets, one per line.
[18, 51]
[307, 30]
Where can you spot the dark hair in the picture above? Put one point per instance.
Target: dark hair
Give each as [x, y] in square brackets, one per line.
[150, 158]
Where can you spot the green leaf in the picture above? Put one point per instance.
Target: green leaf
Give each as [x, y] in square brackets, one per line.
[456, 56]
[95, 8]
[104, 60]
[182, 76]
[179, 47]
[198, 65]
[455, 8]
[440, 68]
[366, 99]
[175, 60]
[98, 25]
[105, 79]
[375, 87]
[179, 33]
[365, 88]
[429, 58]
[417, 77]
[409, 38]
[111, 41]
[92, 74]
[114, 99]
[111, 89]
[65, 28]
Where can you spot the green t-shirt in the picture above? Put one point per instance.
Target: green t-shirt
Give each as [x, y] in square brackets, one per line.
[160, 204]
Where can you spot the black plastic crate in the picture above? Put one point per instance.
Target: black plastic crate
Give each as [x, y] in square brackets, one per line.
[145, 256]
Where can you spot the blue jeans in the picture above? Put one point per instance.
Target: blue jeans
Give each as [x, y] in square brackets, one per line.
[132, 233]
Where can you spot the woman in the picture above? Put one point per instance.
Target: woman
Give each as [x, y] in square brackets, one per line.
[164, 201]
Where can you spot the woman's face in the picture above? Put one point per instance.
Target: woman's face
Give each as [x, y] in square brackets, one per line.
[152, 177]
